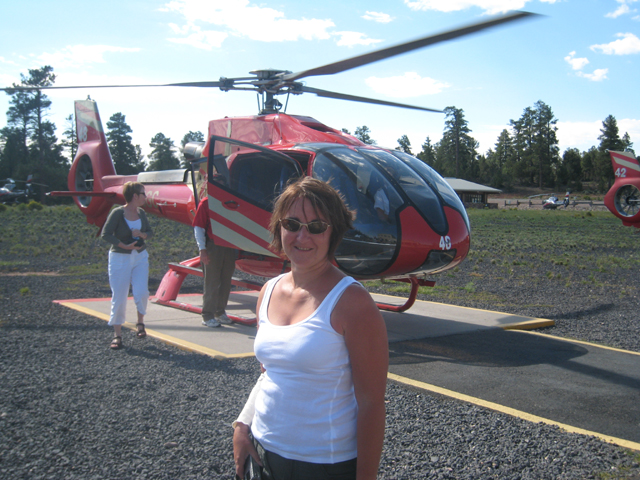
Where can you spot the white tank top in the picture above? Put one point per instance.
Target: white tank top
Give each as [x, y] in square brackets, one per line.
[306, 409]
[134, 224]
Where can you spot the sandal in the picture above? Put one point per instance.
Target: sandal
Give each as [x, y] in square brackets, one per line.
[141, 331]
[116, 343]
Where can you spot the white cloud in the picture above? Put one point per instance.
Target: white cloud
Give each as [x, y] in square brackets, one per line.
[406, 86]
[76, 55]
[627, 44]
[584, 135]
[378, 17]
[576, 63]
[580, 135]
[488, 6]
[623, 9]
[7, 61]
[632, 127]
[597, 76]
[349, 39]
[198, 38]
[238, 17]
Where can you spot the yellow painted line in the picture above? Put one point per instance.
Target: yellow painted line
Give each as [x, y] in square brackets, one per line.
[511, 411]
[529, 325]
[581, 342]
[176, 342]
[88, 311]
[191, 347]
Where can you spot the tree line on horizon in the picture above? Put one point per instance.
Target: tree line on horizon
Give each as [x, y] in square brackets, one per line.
[526, 154]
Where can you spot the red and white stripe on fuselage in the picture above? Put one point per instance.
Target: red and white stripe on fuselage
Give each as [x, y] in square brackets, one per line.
[240, 228]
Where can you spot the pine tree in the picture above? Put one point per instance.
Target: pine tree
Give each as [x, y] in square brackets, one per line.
[33, 143]
[70, 139]
[428, 153]
[404, 145]
[457, 147]
[536, 145]
[162, 156]
[362, 133]
[123, 152]
[609, 140]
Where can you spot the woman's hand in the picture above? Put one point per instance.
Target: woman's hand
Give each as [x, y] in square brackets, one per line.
[130, 246]
[135, 233]
[242, 448]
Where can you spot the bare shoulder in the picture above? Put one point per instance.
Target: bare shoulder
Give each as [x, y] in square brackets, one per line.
[355, 309]
[354, 294]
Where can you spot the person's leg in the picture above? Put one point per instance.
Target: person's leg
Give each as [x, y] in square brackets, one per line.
[227, 267]
[140, 287]
[208, 304]
[119, 275]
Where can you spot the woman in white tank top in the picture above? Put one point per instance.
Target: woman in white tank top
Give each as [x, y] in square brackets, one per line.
[318, 410]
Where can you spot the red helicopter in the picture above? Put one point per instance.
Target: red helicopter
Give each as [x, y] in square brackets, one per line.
[410, 223]
[623, 198]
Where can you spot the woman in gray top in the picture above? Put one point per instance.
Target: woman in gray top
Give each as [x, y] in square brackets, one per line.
[126, 230]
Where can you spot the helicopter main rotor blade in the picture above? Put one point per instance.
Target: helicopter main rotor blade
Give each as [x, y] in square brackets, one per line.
[53, 87]
[378, 55]
[354, 98]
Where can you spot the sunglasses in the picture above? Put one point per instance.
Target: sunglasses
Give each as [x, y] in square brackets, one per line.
[316, 227]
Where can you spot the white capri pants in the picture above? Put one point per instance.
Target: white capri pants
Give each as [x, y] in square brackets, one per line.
[124, 270]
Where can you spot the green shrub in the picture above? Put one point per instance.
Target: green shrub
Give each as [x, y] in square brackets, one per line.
[3, 207]
[25, 291]
[33, 205]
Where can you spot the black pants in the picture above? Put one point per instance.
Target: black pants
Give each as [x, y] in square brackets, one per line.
[277, 467]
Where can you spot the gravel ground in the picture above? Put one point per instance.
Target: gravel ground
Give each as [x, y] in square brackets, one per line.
[71, 408]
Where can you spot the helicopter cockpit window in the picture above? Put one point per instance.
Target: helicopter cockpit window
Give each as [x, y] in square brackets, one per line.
[255, 176]
[421, 193]
[370, 246]
[432, 177]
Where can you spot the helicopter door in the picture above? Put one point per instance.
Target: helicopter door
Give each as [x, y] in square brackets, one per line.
[244, 181]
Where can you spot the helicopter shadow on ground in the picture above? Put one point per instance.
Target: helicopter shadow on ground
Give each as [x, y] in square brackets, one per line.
[607, 307]
[494, 348]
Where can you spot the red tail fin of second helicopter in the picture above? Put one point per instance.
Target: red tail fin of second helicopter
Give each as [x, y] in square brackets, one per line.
[623, 199]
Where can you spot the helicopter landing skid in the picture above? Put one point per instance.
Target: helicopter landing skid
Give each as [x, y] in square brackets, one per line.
[415, 284]
[169, 288]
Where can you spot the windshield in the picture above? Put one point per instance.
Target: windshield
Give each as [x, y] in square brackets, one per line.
[419, 191]
[370, 246]
[434, 179]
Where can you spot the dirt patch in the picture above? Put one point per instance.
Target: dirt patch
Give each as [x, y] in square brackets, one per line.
[29, 274]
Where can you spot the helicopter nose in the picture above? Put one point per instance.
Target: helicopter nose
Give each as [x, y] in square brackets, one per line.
[422, 250]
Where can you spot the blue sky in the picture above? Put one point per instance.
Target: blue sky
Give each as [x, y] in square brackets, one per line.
[582, 58]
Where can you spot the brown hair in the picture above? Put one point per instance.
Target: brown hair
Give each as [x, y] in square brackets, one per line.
[325, 201]
[130, 188]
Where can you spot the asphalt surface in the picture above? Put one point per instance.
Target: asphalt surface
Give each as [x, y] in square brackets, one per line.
[462, 353]
[576, 384]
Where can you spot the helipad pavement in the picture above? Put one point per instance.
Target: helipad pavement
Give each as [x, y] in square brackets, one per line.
[184, 329]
